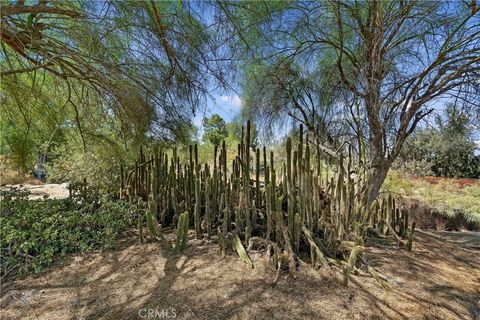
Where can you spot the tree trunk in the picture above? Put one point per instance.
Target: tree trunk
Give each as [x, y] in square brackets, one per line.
[375, 179]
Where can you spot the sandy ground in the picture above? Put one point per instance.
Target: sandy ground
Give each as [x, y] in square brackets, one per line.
[39, 191]
[440, 279]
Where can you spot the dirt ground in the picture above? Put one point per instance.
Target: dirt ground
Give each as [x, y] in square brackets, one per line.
[40, 190]
[440, 279]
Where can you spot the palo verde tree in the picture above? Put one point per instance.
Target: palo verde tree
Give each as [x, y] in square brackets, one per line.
[148, 64]
[393, 60]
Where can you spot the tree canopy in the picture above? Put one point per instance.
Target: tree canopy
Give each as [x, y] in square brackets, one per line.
[215, 130]
[358, 75]
[136, 69]
[444, 149]
[365, 73]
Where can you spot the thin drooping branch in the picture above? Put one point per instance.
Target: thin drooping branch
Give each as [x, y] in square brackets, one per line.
[21, 9]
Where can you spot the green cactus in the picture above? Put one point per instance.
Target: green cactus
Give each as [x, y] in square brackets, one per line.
[278, 219]
[410, 237]
[405, 222]
[330, 209]
[290, 187]
[154, 228]
[208, 209]
[258, 200]
[296, 232]
[182, 233]
[198, 204]
[350, 265]
[246, 183]
[269, 211]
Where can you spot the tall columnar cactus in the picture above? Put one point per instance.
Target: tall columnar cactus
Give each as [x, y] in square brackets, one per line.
[389, 213]
[269, 211]
[299, 200]
[182, 232]
[405, 222]
[296, 232]
[410, 237]
[266, 169]
[208, 208]
[153, 226]
[258, 200]
[278, 219]
[198, 204]
[246, 183]
[273, 186]
[290, 187]
[308, 190]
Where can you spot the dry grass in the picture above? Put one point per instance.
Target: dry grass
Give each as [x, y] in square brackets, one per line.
[438, 280]
[9, 176]
[446, 195]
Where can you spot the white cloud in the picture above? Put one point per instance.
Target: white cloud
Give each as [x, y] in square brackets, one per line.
[197, 120]
[233, 101]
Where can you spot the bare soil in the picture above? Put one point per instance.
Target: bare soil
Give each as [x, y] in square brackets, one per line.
[39, 190]
[440, 279]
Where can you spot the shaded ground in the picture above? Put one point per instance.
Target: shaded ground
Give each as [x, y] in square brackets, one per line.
[439, 280]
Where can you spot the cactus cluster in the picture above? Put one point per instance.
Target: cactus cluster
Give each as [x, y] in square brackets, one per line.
[303, 207]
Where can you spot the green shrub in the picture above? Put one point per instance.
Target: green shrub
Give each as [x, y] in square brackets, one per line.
[447, 150]
[34, 232]
[100, 165]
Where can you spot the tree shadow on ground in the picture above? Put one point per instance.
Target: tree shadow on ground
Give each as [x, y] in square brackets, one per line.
[432, 282]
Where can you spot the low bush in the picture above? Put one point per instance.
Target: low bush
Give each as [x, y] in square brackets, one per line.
[447, 150]
[34, 232]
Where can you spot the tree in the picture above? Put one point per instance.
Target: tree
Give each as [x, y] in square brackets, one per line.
[215, 130]
[457, 156]
[397, 81]
[394, 60]
[146, 66]
[447, 149]
[151, 63]
[283, 90]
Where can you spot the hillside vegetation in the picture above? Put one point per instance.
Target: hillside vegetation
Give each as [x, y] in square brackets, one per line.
[449, 196]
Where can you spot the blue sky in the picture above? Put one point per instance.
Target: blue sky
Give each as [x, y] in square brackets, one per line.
[226, 106]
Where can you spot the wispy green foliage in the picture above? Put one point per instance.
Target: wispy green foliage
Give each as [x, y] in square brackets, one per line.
[146, 66]
[366, 72]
